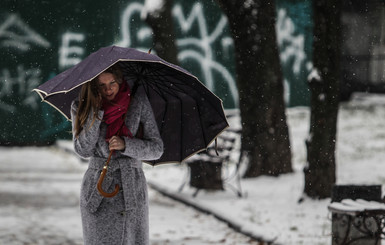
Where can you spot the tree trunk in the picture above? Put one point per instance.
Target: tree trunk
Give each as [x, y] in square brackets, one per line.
[320, 170]
[164, 38]
[265, 136]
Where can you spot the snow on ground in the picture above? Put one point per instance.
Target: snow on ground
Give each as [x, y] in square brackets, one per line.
[39, 204]
[39, 196]
[271, 209]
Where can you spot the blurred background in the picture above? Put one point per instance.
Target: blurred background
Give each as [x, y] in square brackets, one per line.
[40, 39]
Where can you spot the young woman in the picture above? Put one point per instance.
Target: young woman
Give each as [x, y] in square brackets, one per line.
[107, 117]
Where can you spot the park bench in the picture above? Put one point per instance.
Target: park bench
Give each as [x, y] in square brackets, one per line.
[216, 168]
[355, 220]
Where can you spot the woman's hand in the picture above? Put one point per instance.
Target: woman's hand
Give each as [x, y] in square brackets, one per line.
[116, 143]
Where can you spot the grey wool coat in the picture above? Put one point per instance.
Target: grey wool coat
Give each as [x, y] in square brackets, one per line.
[122, 219]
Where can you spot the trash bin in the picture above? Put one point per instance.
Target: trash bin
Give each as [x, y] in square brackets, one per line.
[351, 229]
[206, 175]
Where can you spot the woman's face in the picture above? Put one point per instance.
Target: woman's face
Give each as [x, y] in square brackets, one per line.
[108, 86]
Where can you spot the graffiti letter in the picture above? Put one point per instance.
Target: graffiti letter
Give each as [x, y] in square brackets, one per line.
[19, 87]
[14, 32]
[293, 50]
[69, 56]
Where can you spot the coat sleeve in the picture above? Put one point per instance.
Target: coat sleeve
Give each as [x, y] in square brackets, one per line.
[150, 147]
[85, 143]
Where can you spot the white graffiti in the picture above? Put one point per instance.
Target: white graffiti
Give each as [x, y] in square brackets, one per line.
[204, 42]
[191, 48]
[15, 33]
[125, 27]
[294, 43]
[19, 85]
[226, 43]
[69, 54]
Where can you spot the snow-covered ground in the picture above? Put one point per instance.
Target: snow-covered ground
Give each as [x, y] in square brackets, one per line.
[271, 209]
[40, 187]
[39, 204]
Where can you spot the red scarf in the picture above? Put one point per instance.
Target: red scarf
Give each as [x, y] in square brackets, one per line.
[115, 111]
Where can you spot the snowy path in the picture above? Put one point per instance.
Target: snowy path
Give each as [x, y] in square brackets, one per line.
[39, 205]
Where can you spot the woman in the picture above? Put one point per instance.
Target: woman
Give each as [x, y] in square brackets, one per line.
[106, 118]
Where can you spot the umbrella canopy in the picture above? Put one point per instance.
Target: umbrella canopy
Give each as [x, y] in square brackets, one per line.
[189, 116]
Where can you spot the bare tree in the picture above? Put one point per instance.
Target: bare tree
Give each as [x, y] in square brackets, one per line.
[324, 85]
[265, 137]
[161, 21]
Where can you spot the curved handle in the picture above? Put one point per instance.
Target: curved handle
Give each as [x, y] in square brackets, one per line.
[100, 182]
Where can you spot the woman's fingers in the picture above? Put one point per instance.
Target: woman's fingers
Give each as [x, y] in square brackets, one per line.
[114, 139]
[116, 143]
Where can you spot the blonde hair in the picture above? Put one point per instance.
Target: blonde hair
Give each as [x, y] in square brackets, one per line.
[90, 99]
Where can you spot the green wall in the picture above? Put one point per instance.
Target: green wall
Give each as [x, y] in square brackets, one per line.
[39, 39]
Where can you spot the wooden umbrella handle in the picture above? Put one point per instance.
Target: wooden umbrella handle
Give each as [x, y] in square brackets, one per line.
[101, 178]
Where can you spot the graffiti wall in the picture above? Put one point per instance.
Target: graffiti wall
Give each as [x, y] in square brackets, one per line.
[41, 39]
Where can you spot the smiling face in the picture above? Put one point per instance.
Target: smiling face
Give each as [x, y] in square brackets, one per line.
[108, 86]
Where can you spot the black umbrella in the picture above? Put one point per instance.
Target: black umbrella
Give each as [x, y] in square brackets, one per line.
[189, 116]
